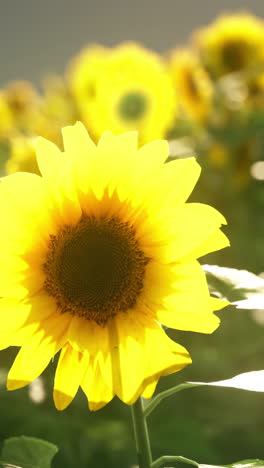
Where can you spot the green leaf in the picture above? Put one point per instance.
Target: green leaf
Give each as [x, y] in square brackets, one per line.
[28, 452]
[251, 381]
[240, 287]
[242, 464]
[248, 464]
[174, 461]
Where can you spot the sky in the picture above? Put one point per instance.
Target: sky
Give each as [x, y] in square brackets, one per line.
[39, 37]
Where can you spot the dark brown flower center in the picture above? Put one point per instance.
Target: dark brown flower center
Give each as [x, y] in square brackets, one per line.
[235, 55]
[132, 106]
[95, 269]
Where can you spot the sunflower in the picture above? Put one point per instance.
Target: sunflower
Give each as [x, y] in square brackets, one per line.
[95, 255]
[232, 43]
[6, 118]
[132, 91]
[22, 157]
[192, 83]
[23, 103]
[21, 97]
[83, 74]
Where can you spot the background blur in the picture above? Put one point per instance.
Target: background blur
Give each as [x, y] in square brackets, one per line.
[39, 37]
[212, 426]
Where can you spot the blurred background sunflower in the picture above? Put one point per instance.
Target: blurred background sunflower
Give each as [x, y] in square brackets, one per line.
[191, 73]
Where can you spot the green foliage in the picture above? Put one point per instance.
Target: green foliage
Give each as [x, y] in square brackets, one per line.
[164, 461]
[240, 287]
[28, 452]
[241, 464]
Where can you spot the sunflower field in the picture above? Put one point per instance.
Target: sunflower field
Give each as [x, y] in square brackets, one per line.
[132, 259]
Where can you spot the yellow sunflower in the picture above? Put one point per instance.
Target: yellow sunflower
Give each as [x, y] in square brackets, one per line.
[22, 156]
[192, 83]
[21, 97]
[6, 118]
[231, 43]
[23, 104]
[132, 91]
[95, 255]
[83, 75]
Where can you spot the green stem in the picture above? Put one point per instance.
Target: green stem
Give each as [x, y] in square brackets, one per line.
[167, 393]
[141, 435]
[172, 460]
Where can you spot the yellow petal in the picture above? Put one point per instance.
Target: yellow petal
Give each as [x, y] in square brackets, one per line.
[190, 307]
[108, 139]
[69, 374]
[85, 335]
[20, 320]
[30, 362]
[163, 356]
[150, 389]
[190, 226]
[17, 337]
[64, 192]
[177, 179]
[35, 355]
[216, 241]
[77, 142]
[19, 284]
[153, 155]
[13, 314]
[218, 304]
[24, 211]
[95, 388]
[127, 342]
[141, 352]
[22, 192]
[48, 156]
[123, 147]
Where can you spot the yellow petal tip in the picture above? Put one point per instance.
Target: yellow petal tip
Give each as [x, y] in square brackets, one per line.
[16, 384]
[61, 400]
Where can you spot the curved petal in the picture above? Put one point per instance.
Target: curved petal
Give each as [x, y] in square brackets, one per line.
[190, 307]
[163, 355]
[110, 141]
[13, 314]
[48, 156]
[116, 155]
[15, 330]
[64, 194]
[20, 284]
[85, 335]
[189, 227]
[77, 142]
[35, 355]
[149, 389]
[140, 353]
[21, 194]
[153, 155]
[30, 362]
[70, 370]
[127, 346]
[24, 212]
[216, 241]
[97, 391]
[20, 320]
[177, 179]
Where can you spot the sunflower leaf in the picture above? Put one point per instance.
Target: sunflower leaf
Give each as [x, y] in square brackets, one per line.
[241, 464]
[251, 381]
[27, 452]
[174, 461]
[240, 287]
